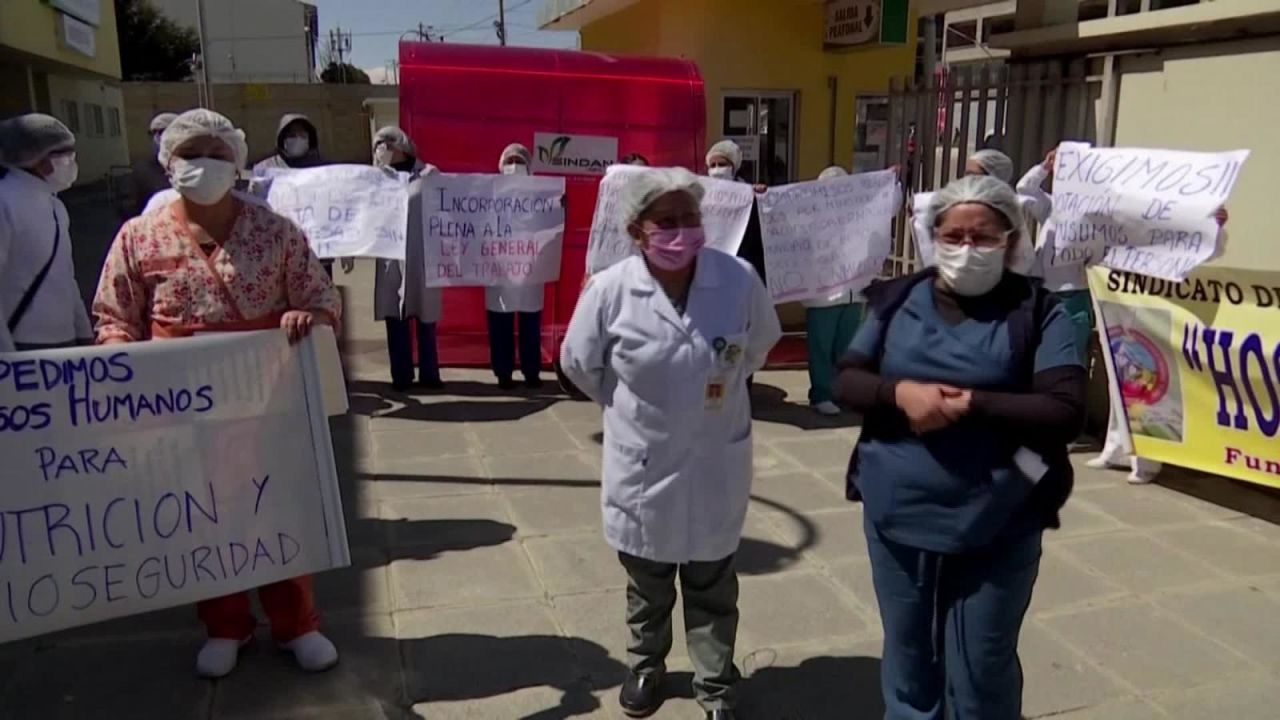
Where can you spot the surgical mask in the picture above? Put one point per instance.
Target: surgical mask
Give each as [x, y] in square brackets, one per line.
[382, 156]
[515, 169]
[203, 181]
[969, 270]
[674, 249]
[65, 172]
[296, 146]
[721, 172]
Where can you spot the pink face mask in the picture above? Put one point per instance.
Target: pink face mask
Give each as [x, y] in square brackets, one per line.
[674, 249]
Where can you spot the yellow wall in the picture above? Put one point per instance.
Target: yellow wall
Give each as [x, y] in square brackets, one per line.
[32, 26]
[1212, 97]
[95, 153]
[760, 45]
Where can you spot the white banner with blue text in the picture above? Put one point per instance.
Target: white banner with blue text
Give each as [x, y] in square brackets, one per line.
[345, 210]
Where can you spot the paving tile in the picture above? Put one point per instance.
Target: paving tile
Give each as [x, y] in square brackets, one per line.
[795, 492]
[269, 685]
[1228, 549]
[463, 519]
[1056, 678]
[479, 575]
[1138, 563]
[816, 609]
[1063, 584]
[572, 468]
[1081, 517]
[818, 451]
[555, 509]
[427, 477]
[438, 440]
[1145, 648]
[529, 439]
[831, 536]
[574, 563]
[1126, 709]
[854, 576]
[1234, 616]
[823, 680]
[600, 618]
[106, 680]
[768, 460]
[1246, 698]
[763, 550]
[1145, 506]
[362, 587]
[575, 700]
[469, 655]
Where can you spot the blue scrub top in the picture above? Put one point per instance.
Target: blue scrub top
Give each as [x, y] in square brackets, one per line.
[956, 489]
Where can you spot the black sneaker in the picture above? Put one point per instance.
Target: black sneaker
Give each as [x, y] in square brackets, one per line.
[506, 384]
[431, 384]
[641, 696]
[533, 383]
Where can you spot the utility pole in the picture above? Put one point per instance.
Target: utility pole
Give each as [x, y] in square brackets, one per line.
[204, 55]
[501, 24]
[340, 43]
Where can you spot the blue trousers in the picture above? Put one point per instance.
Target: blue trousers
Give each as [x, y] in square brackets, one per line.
[829, 330]
[951, 625]
[400, 350]
[502, 344]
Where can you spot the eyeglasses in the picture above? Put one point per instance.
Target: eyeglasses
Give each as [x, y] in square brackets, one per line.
[983, 240]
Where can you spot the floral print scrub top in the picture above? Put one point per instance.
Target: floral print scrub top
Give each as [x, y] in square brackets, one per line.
[157, 276]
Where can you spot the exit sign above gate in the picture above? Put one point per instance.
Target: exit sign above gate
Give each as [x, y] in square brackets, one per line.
[859, 23]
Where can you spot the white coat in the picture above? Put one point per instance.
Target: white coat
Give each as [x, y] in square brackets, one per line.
[31, 216]
[399, 289]
[677, 467]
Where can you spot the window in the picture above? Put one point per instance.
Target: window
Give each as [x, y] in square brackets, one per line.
[113, 121]
[1129, 7]
[71, 115]
[96, 126]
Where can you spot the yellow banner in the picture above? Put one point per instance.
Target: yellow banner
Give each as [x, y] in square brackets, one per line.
[1198, 367]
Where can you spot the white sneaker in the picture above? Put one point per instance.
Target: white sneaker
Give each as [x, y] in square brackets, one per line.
[313, 651]
[1139, 478]
[827, 408]
[218, 657]
[1102, 462]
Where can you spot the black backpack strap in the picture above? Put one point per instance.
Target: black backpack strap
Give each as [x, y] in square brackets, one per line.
[1026, 324]
[20, 310]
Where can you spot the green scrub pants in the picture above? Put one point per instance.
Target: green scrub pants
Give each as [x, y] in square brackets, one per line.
[830, 331]
[1079, 307]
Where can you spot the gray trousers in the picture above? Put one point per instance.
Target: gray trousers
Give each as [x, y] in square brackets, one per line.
[710, 592]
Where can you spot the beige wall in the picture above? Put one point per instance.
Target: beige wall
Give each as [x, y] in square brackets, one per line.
[96, 152]
[336, 110]
[249, 40]
[1214, 97]
[32, 27]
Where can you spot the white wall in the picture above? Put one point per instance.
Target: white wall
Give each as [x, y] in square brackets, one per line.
[1214, 97]
[95, 152]
[259, 41]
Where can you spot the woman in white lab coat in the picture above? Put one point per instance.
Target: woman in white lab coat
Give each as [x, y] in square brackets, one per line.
[505, 303]
[665, 341]
[400, 298]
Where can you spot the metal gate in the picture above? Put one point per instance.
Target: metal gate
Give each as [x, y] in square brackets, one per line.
[1025, 109]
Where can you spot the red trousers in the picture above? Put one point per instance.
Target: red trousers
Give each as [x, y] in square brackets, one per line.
[290, 606]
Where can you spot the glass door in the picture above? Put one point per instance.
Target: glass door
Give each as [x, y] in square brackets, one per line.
[763, 125]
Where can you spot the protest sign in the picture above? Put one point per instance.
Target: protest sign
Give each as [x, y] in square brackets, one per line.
[827, 236]
[345, 210]
[142, 476]
[1139, 210]
[1195, 364]
[726, 211]
[488, 230]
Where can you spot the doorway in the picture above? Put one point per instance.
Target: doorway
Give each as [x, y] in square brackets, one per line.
[763, 124]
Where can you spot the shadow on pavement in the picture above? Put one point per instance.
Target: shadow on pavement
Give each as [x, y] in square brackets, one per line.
[819, 688]
[769, 404]
[379, 400]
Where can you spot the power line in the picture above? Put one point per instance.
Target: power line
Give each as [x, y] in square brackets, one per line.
[489, 18]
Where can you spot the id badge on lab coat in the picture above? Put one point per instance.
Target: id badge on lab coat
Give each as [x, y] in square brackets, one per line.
[728, 356]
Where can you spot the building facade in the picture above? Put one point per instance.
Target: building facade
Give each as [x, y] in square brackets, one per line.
[62, 58]
[799, 89]
[253, 41]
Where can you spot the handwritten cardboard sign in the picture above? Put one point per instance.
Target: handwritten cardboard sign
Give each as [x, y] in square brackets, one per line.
[726, 212]
[1139, 210]
[345, 210]
[138, 477]
[827, 236]
[492, 230]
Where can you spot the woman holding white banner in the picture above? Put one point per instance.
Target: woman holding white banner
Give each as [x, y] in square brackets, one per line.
[400, 297]
[506, 303]
[210, 262]
[971, 388]
[664, 341]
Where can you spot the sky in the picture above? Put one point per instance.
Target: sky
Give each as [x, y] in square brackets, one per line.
[376, 25]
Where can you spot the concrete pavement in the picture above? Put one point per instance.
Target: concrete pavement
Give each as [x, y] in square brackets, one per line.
[481, 587]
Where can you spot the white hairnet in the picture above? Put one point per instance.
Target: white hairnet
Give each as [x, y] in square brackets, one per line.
[25, 140]
[834, 171]
[514, 150]
[396, 139]
[202, 123]
[997, 164]
[997, 195]
[728, 150]
[162, 121]
[645, 186]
